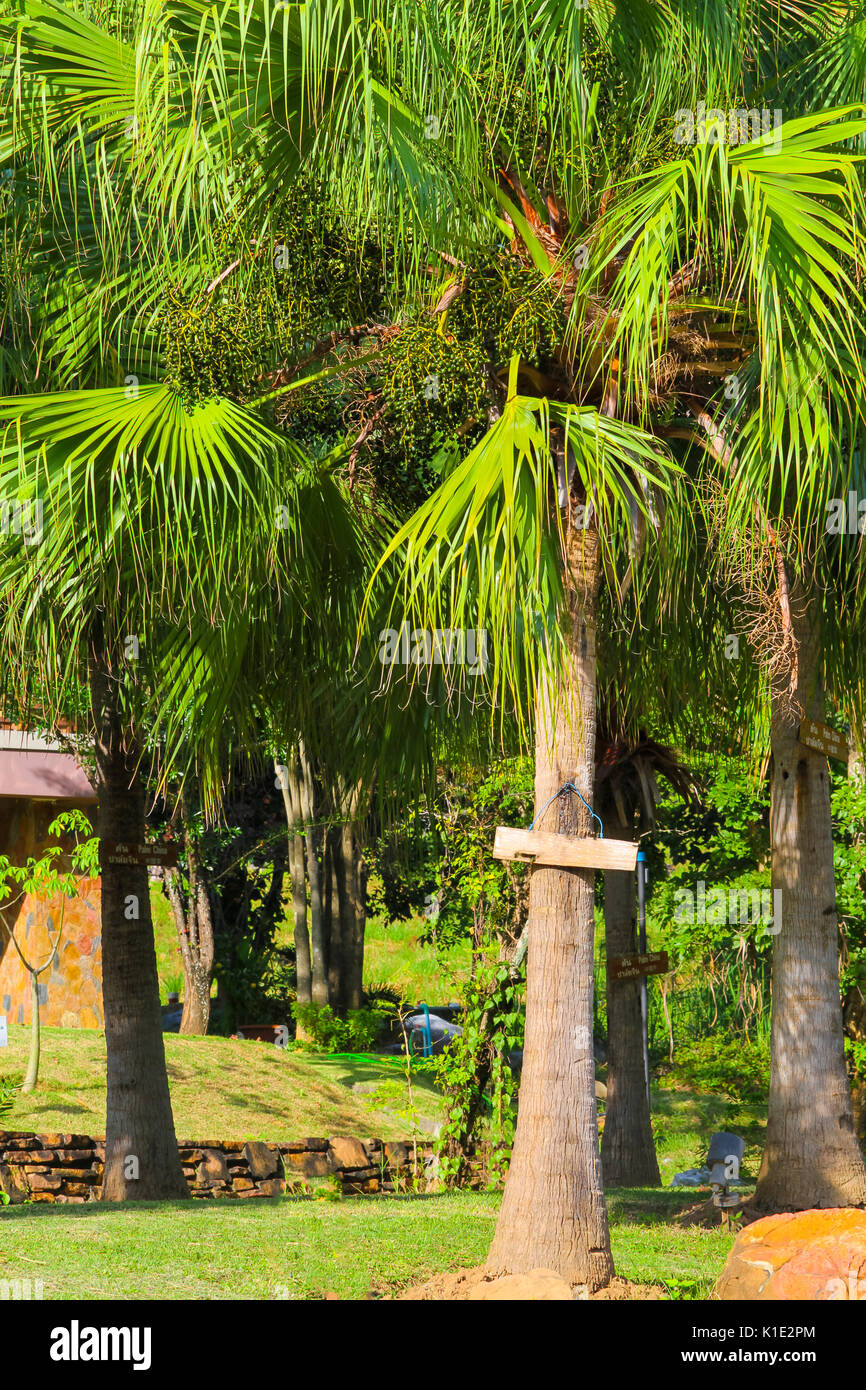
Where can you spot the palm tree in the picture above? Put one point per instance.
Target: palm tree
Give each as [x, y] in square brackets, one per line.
[543, 121]
[135, 589]
[514, 550]
[171, 523]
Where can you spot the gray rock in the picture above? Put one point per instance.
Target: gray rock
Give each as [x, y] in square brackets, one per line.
[692, 1177]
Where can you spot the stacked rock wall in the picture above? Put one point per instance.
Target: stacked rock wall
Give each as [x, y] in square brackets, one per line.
[50, 1167]
[67, 1168]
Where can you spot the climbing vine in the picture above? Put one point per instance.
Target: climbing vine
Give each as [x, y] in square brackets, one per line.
[477, 1077]
[487, 899]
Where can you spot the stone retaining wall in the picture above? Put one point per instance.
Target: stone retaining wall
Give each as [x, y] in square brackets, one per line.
[68, 1167]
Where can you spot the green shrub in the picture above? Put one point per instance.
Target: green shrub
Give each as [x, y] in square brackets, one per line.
[381, 996]
[855, 1051]
[7, 1098]
[732, 1066]
[357, 1032]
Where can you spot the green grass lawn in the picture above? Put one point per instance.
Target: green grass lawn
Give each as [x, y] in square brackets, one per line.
[303, 1248]
[221, 1089]
[393, 956]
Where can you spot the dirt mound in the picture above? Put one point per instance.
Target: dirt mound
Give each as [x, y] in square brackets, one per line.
[457, 1284]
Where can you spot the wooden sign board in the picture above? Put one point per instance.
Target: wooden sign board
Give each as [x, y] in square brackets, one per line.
[633, 967]
[563, 851]
[824, 739]
[159, 853]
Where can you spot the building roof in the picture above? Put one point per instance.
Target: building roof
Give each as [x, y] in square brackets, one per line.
[35, 767]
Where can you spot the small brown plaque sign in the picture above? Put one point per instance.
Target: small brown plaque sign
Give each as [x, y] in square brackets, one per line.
[159, 853]
[824, 740]
[632, 967]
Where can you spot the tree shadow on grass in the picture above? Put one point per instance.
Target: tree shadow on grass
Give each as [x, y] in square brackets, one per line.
[58, 1110]
[46, 1210]
[242, 1102]
[421, 1081]
[651, 1206]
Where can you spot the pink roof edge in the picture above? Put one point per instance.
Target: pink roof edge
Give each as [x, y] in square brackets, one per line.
[46, 776]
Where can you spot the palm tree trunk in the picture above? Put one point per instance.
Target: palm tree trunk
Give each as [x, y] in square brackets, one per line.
[811, 1155]
[141, 1157]
[553, 1214]
[628, 1155]
[298, 873]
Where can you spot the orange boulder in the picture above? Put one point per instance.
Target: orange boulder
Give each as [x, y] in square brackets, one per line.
[811, 1255]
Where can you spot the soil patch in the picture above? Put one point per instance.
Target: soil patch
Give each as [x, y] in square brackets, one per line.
[457, 1283]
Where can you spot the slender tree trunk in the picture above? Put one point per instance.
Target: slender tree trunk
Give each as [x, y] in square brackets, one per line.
[318, 940]
[29, 1082]
[198, 965]
[141, 1157]
[196, 998]
[811, 1155]
[195, 1017]
[553, 1214]
[297, 870]
[628, 1156]
[335, 916]
[303, 963]
[854, 1003]
[193, 919]
[353, 913]
[34, 971]
[352, 909]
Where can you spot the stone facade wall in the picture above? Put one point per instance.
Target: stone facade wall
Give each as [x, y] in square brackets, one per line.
[67, 1168]
[70, 990]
